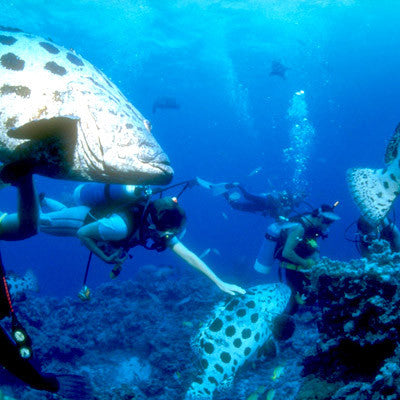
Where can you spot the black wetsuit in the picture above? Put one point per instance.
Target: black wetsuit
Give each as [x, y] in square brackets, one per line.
[268, 204]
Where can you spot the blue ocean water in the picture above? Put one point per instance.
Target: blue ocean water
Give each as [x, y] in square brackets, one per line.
[215, 59]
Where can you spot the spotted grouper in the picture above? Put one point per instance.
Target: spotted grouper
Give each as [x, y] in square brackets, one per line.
[375, 190]
[59, 110]
[237, 331]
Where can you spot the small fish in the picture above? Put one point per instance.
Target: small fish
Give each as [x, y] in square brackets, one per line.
[188, 324]
[153, 297]
[278, 372]
[182, 302]
[205, 253]
[177, 376]
[270, 394]
[19, 286]
[255, 171]
[225, 216]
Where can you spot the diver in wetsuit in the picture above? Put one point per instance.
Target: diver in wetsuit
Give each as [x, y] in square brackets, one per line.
[274, 204]
[297, 247]
[367, 233]
[111, 229]
[15, 351]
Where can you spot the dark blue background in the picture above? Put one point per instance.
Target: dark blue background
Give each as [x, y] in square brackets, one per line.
[215, 59]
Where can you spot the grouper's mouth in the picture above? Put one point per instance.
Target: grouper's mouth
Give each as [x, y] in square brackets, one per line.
[157, 168]
[164, 170]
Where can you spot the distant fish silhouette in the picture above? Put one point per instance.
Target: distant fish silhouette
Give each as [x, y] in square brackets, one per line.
[278, 69]
[255, 171]
[165, 102]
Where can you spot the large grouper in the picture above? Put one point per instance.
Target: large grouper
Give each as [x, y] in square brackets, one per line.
[238, 330]
[375, 190]
[65, 115]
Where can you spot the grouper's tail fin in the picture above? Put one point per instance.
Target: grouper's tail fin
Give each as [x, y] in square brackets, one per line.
[374, 191]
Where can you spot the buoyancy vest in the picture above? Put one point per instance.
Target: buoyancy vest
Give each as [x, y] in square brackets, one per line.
[136, 218]
[305, 248]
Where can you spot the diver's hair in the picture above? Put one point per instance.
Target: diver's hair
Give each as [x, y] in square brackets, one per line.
[166, 214]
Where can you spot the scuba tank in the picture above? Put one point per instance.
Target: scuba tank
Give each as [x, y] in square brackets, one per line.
[266, 260]
[99, 194]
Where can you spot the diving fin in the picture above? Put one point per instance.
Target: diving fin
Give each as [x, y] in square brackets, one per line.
[216, 188]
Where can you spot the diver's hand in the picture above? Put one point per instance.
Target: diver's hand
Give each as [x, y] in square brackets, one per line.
[121, 258]
[114, 258]
[230, 288]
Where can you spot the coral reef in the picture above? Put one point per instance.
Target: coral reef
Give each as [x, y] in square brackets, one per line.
[359, 326]
[132, 340]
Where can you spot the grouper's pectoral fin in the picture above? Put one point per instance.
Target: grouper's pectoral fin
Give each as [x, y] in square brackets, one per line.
[49, 142]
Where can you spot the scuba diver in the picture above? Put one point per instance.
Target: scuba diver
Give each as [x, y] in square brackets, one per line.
[296, 247]
[367, 233]
[112, 219]
[16, 349]
[274, 204]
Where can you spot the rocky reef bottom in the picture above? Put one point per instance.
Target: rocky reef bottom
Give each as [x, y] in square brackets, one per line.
[132, 339]
[358, 320]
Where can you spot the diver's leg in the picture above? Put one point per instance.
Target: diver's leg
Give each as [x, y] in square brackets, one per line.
[66, 222]
[51, 205]
[293, 281]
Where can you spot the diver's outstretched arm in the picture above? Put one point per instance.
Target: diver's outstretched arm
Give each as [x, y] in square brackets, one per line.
[24, 223]
[193, 260]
